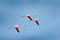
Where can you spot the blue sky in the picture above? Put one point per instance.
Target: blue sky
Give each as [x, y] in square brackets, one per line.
[47, 11]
